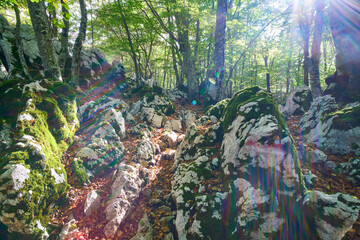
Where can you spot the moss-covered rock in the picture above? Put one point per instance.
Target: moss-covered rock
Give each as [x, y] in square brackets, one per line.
[218, 109]
[259, 159]
[41, 135]
[331, 127]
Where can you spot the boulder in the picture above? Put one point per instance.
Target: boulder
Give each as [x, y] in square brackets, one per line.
[174, 125]
[331, 127]
[95, 109]
[257, 177]
[257, 141]
[298, 102]
[125, 189]
[145, 150]
[218, 109]
[333, 215]
[170, 139]
[69, 229]
[188, 117]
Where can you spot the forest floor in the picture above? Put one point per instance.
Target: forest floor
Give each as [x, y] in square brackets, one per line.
[159, 186]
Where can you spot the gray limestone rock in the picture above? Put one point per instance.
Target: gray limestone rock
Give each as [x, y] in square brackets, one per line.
[352, 170]
[331, 127]
[334, 214]
[92, 202]
[174, 125]
[145, 149]
[145, 230]
[298, 102]
[125, 189]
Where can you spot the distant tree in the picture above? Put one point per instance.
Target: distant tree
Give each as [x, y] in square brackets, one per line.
[316, 50]
[75, 65]
[219, 51]
[64, 39]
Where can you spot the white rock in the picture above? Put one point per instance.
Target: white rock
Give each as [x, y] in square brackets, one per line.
[17, 174]
[92, 202]
[145, 149]
[174, 125]
[58, 178]
[25, 117]
[34, 87]
[69, 228]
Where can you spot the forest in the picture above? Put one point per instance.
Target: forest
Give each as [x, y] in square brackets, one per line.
[179, 119]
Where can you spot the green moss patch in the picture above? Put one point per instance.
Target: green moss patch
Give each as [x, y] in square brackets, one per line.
[218, 109]
[265, 103]
[346, 118]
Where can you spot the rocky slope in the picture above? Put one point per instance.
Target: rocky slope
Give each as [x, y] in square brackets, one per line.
[127, 159]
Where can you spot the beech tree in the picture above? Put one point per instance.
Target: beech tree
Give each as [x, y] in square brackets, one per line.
[316, 50]
[75, 65]
[43, 36]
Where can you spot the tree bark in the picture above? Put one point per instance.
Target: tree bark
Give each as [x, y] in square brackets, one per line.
[75, 65]
[345, 25]
[64, 40]
[316, 50]
[267, 74]
[43, 37]
[219, 51]
[187, 68]
[19, 43]
[306, 61]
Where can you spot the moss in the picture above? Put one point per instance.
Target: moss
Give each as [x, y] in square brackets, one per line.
[18, 157]
[79, 172]
[266, 105]
[11, 102]
[218, 109]
[345, 118]
[57, 123]
[52, 133]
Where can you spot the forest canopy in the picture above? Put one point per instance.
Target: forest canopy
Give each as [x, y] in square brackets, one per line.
[233, 43]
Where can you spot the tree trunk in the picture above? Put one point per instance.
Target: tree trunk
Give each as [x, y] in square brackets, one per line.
[316, 50]
[267, 74]
[75, 66]
[19, 43]
[219, 51]
[306, 62]
[64, 40]
[345, 25]
[187, 68]
[325, 56]
[132, 49]
[43, 37]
